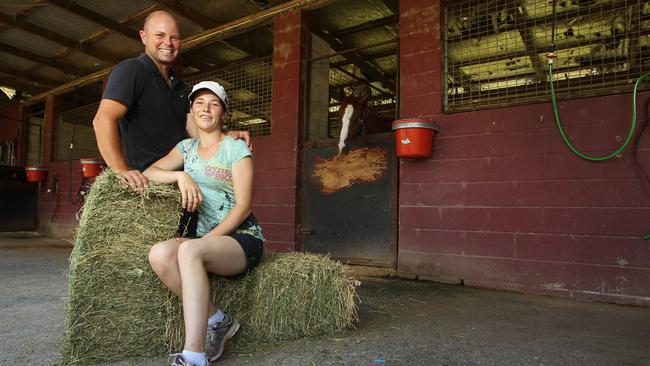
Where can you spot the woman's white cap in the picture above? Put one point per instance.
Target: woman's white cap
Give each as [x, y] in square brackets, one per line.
[212, 86]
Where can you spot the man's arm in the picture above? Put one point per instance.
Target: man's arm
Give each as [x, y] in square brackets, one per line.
[190, 126]
[109, 142]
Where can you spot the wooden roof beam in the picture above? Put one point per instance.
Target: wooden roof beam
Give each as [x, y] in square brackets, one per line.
[180, 9]
[40, 59]
[17, 84]
[57, 38]
[370, 56]
[392, 5]
[207, 23]
[97, 18]
[208, 36]
[29, 77]
[391, 19]
[366, 67]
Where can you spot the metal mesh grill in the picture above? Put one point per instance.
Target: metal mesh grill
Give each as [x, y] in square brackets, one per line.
[249, 94]
[382, 100]
[75, 138]
[496, 50]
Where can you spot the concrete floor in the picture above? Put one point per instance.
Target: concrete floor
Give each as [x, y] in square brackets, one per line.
[401, 323]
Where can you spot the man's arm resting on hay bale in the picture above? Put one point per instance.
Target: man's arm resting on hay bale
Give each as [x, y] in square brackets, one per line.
[110, 146]
[242, 180]
[167, 170]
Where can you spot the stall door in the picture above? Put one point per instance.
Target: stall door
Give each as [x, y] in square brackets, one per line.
[349, 201]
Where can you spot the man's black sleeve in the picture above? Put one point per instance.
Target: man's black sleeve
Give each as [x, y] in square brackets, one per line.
[124, 83]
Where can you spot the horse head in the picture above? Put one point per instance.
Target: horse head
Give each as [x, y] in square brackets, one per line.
[352, 113]
[357, 118]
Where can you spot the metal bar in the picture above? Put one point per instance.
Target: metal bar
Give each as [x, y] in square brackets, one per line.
[252, 20]
[391, 19]
[353, 50]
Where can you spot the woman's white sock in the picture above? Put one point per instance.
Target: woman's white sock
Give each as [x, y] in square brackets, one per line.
[216, 318]
[196, 358]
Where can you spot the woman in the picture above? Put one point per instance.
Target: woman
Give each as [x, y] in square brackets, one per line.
[216, 180]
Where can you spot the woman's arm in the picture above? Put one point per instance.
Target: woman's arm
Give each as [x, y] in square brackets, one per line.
[242, 180]
[166, 170]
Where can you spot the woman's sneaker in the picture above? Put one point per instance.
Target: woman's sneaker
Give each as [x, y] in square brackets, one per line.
[217, 336]
[176, 359]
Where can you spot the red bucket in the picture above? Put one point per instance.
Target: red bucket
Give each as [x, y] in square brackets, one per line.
[36, 174]
[90, 168]
[414, 137]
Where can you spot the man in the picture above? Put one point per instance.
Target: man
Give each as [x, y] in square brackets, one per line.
[145, 105]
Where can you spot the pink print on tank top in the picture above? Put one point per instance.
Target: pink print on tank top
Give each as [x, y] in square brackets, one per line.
[218, 173]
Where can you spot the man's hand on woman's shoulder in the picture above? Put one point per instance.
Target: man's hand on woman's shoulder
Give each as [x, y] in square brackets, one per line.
[242, 135]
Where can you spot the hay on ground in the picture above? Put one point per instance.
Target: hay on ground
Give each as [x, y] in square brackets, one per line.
[118, 309]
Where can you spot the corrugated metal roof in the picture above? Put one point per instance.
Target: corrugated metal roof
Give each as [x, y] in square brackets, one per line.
[77, 38]
[118, 11]
[29, 42]
[15, 62]
[63, 22]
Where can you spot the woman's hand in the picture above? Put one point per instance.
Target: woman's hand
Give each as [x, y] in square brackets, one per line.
[191, 196]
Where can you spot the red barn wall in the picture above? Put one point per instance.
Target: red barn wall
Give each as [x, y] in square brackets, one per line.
[276, 155]
[12, 128]
[504, 204]
[58, 210]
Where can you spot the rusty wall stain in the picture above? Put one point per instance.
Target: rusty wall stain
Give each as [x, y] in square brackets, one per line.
[344, 170]
[282, 53]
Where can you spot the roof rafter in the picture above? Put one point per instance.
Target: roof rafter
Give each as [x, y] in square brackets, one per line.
[391, 19]
[365, 66]
[27, 76]
[56, 37]
[17, 84]
[97, 18]
[40, 59]
[209, 36]
[207, 23]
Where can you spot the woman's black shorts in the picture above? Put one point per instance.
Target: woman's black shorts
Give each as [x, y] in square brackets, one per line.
[253, 250]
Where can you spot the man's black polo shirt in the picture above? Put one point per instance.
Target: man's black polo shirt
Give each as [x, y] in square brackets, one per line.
[155, 121]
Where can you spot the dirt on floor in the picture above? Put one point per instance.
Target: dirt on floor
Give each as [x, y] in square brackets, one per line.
[401, 322]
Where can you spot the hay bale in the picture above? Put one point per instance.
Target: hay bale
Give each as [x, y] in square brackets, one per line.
[297, 295]
[288, 296]
[116, 304]
[118, 309]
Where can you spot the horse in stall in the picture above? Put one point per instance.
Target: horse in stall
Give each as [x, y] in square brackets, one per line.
[357, 119]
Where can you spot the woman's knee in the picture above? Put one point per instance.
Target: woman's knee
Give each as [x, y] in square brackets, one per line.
[189, 251]
[162, 257]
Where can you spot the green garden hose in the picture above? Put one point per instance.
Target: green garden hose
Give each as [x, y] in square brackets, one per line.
[566, 139]
[551, 57]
